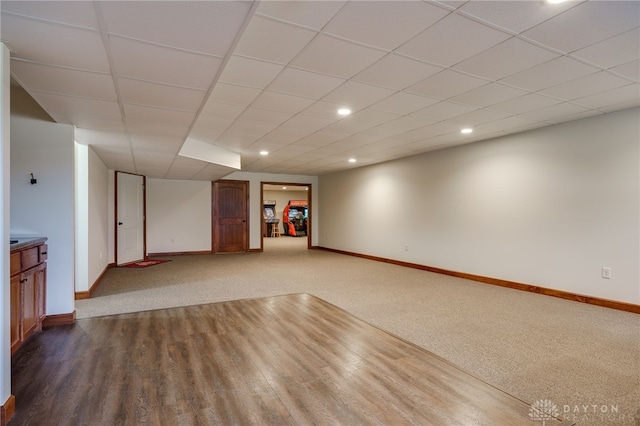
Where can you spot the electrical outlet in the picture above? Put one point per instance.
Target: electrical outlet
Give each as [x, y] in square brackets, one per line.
[606, 272]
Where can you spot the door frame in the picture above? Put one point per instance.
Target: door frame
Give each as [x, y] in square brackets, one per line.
[309, 209]
[115, 216]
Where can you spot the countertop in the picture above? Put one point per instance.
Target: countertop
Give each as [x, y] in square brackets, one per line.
[19, 243]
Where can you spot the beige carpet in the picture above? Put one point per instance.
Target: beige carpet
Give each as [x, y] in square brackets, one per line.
[584, 359]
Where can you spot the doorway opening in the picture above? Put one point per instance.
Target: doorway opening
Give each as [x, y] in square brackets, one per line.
[293, 200]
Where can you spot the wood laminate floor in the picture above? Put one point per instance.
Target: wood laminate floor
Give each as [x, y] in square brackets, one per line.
[283, 360]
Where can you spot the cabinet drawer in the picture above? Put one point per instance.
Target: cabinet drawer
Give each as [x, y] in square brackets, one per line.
[29, 258]
[43, 252]
[15, 264]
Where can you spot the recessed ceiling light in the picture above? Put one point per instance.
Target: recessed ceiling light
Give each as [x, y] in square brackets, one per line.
[352, 160]
[264, 152]
[344, 111]
[466, 131]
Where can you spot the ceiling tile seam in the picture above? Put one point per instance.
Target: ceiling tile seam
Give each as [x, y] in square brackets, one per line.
[225, 60]
[608, 70]
[601, 109]
[176, 86]
[158, 107]
[617, 74]
[51, 21]
[67, 95]
[178, 49]
[63, 67]
[106, 45]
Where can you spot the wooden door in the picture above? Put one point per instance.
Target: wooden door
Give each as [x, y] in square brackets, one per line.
[130, 218]
[230, 213]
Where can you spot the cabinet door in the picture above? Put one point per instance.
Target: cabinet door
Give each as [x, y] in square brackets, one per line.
[29, 302]
[41, 289]
[15, 313]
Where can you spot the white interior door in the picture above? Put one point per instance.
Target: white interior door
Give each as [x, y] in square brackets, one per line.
[130, 218]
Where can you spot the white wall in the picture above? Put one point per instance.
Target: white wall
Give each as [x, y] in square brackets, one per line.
[45, 149]
[5, 300]
[548, 207]
[178, 216]
[255, 203]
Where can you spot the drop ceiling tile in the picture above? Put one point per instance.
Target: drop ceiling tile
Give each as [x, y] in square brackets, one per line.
[210, 129]
[54, 44]
[586, 24]
[554, 111]
[451, 40]
[217, 109]
[477, 117]
[285, 134]
[159, 95]
[404, 103]
[157, 130]
[272, 40]
[256, 115]
[160, 64]
[102, 138]
[322, 137]
[507, 124]
[233, 94]
[156, 146]
[516, 16]
[212, 26]
[549, 74]
[587, 85]
[326, 110]
[102, 125]
[356, 20]
[630, 70]
[64, 80]
[396, 72]
[281, 102]
[526, 103]
[74, 108]
[491, 63]
[443, 111]
[614, 51]
[308, 122]
[249, 72]
[145, 114]
[312, 14]
[304, 83]
[339, 58]
[445, 85]
[81, 14]
[488, 94]
[371, 116]
[358, 94]
[628, 93]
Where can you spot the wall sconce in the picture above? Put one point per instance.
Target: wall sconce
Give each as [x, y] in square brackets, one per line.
[33, 180]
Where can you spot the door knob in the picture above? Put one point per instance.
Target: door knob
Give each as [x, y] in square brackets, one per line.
[119, 223]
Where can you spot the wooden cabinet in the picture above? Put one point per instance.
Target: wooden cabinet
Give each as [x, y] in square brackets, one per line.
[28, 290]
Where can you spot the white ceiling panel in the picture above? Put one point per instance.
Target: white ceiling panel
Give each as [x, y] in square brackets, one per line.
[412, 72]
[516, 16]
[488, 94]
[250, 72]
[309, 14]
[590, 23]
[404, 103]
[464, 38]
[396, 72]
[55, 44]
[233, 94]
[339, 58]
[355, 20]
[212, 25]
[549, 74]
[160, 64]
[158, 95]
[446, 84]
[304, 83]
[273, 41]
[281, 102]
[65, 80]
[491, 64]
[145, 114]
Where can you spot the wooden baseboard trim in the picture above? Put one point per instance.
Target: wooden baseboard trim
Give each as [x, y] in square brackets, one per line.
[605, 303]
[60, 319]
[79, 295]
[7, 409]
[179, 253]
[255, 250]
